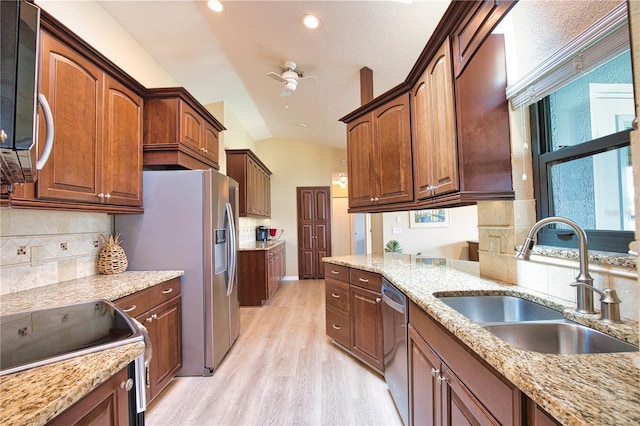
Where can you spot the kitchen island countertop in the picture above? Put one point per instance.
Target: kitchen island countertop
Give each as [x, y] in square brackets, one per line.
[594, 389]
[37, 395]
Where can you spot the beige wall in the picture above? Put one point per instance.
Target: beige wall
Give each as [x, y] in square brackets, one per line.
[293, 164]
[449, 241]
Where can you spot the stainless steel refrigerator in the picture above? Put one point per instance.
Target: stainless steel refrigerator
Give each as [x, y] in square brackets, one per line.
[189, 223]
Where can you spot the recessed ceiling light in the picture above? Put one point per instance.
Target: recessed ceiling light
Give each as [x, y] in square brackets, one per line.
[303, 125]
[215, 5]
[311, 21]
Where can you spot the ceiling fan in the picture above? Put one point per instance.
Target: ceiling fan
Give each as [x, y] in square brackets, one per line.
[290, 78]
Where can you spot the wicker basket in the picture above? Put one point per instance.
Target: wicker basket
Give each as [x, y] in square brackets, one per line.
[112, 258]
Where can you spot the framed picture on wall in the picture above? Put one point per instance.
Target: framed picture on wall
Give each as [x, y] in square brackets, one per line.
[433, 218]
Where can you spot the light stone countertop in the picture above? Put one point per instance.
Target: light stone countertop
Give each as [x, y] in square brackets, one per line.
[260, 245]
[37, 395]
[594, 389]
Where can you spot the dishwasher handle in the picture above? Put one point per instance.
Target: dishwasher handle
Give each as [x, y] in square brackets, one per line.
[385, 290]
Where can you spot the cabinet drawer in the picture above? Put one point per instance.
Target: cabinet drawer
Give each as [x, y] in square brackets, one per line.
[337, 295]
[368, 280]
[338, 327]
[137, 303]
[336, 272]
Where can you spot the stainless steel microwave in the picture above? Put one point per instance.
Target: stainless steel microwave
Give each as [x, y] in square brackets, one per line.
[19, 83]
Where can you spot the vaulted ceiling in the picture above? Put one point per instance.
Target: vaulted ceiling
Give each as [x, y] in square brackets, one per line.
[225, 56]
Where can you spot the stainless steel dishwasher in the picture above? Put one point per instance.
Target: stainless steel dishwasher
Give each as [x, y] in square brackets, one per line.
[394, 327]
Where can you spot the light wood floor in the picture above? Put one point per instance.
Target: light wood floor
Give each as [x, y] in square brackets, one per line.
[282, 370]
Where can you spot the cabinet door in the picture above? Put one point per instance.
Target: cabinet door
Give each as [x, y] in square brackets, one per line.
[366, 326]
[210, 142]
[392, 152]
[435, 149]
[122, 147]
[108, 404]
[164, 325]
[73, 87]
[424, 391]
[360, 162]
[459, 406]
[191, 128]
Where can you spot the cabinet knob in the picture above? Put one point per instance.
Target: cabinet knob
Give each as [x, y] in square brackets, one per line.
[376, 199]
[371, 199]
[149, 319]
[378, 300]
[435, 372]
[127, 384]
[101, 196]
[442, 379]
[107, 196]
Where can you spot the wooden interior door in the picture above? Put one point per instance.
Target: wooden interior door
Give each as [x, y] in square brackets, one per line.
[314, 230]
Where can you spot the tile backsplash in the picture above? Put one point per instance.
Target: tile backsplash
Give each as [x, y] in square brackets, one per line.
[69, 243]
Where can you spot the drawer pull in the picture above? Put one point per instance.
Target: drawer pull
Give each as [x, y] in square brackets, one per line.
[167, 291]
[442, 379]
[336, 327]
[335, 272]
[132, 308]
[378, 300]
[335, 295]
[435, 372]
[363, 280]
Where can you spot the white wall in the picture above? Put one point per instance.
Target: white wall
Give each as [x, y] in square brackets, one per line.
[449, 241]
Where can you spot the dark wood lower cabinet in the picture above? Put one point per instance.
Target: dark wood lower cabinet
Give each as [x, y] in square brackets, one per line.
[366, 326]
[260, 273]
[108, 404]
[159, 309]
[449, 386]
[354, 313]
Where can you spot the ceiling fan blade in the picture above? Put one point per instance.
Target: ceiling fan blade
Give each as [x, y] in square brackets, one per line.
[276, 76]
[307, 80]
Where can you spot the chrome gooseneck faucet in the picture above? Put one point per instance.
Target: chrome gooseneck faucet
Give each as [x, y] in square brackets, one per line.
[584, 293]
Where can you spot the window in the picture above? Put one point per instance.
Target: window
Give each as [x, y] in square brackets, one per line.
[582, 160]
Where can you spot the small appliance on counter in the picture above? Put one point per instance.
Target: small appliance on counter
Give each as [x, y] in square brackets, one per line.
[262, 233]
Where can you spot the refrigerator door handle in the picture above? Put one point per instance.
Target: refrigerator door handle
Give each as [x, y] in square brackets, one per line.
[232, 239]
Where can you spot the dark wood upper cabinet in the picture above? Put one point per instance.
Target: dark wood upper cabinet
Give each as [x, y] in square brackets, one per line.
[254, 179]
[96, 161]
[435, 155]
[178, 131]
[379, 156]
[447, 143]
[476, 26]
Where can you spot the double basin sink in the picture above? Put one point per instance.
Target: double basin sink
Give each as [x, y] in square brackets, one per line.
[35, 338]
[534, 327]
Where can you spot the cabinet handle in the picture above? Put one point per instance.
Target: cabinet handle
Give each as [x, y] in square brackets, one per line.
[363, 280]
[107, 196]
[376, 199]
[371, 199]
[378, 300]
[435, 372]
[127, 384]
[133, 307]
[442, 379]
[154, 316]
[149, 319]
[167, 291]
[101, 195]
[335, 272]
[334, 295]
[336, 327]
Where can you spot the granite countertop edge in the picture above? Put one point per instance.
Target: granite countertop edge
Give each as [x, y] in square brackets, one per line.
[37, 395]
[607, 383]
[260, 245]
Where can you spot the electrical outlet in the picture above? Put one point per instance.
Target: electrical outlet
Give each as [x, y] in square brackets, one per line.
[396, 230]
[37, 255]
[494, 244]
